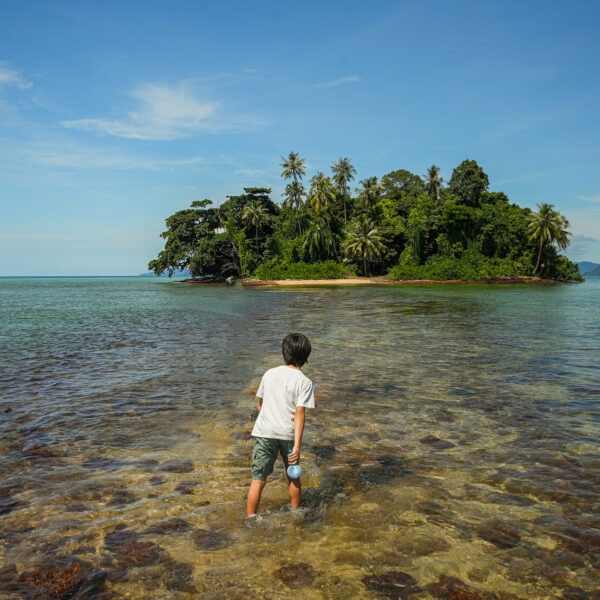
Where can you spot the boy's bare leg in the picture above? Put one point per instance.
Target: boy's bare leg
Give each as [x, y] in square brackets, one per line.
[256, 488]
[295, 489]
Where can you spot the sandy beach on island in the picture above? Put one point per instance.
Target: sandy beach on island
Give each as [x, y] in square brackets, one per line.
[384, 281]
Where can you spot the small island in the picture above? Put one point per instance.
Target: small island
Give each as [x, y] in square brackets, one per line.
[402, 228]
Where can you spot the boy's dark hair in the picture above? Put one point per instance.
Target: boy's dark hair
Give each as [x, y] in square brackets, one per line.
[296, 349]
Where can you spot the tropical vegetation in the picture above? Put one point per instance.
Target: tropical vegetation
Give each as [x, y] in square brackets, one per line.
[402, 225]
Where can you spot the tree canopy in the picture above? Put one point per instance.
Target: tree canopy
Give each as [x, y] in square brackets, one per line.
[402, 225]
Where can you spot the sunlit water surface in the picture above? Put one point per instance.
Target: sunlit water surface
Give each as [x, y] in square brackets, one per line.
[105, 382]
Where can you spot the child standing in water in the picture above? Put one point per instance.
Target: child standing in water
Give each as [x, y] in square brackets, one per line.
[283, 395]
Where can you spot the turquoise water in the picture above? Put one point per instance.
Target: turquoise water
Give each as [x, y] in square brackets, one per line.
[457, 436]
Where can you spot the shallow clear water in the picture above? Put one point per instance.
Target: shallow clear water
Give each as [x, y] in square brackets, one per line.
[104, 382]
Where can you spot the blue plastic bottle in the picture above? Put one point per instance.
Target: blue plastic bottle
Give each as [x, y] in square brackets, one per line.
[294, 471]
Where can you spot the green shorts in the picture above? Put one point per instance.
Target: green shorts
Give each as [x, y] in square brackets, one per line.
[264, 455]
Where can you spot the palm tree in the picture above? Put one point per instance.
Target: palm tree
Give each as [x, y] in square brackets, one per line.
[321, 192]
[363, 242]
[293, 194]
[343, 174]
[294, 169]
[319, 239]
[369, 194]
[548, 226]
[254, 214]
[433, 182]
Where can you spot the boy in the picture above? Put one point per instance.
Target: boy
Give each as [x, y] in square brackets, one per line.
[283, 394]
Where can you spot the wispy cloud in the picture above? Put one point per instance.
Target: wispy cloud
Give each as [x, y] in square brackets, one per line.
[165, 112]
[339, 81]
[595, 198]
[77, 156]
[582, 246]
[251, 172]
[521, 178]
[585, 223]
[12, 77]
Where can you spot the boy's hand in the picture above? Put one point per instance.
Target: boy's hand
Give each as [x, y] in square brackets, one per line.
[294, 457]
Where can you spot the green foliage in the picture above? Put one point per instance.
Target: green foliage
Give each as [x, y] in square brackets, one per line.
[458, 220]
[409, 226]
[343, 173]
[469, 182]
[433, 182]
[273, 269]
[417, 228]
[363, 242]
[402, 188]
[566, 270]
[470, 266]
[322, 192]
[318, 240]
[548, 227]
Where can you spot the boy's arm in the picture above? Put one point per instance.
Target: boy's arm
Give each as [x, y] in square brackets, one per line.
[294, 457]
[259, 404]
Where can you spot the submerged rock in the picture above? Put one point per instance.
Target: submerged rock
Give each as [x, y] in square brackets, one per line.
[145, 463]
[499, 534]
[174, 525]
[422, 546]
[324, 453]
[35, 448]
[580, 541]
[75, 579]
[137, 554]
[573, 593]
[120, 536]
[395, 585]
[76, 507]
[296, 576]
[436, 442]
[7, 503]
[117, 574]
[429, 439]
[451, 588]
[121, 497]
[100, 462]
[206, 539]
[564, 462]
[178, 576]
[8, 579]
[353, 470]
[177, 466]
[186, 487]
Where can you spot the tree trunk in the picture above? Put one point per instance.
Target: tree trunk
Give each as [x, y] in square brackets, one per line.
[539, 256]
[365, 266]
[298, 217]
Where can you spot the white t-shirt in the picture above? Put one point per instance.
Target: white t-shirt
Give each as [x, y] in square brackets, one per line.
[282, 389]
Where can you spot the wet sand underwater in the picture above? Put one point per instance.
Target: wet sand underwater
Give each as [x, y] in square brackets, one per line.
[454, 454]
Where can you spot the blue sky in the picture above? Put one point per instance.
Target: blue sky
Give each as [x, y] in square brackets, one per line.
[113, 115]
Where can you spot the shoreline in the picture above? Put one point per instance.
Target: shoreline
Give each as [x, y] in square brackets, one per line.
[384, 281]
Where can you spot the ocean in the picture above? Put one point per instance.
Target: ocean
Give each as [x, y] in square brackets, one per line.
[455, 448]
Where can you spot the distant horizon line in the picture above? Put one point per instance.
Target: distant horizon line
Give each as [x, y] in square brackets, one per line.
[158, 276]
[76, 276]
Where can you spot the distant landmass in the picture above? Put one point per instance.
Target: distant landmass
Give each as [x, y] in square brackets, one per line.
[176, 273]
[594, 272]
[589, 268]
